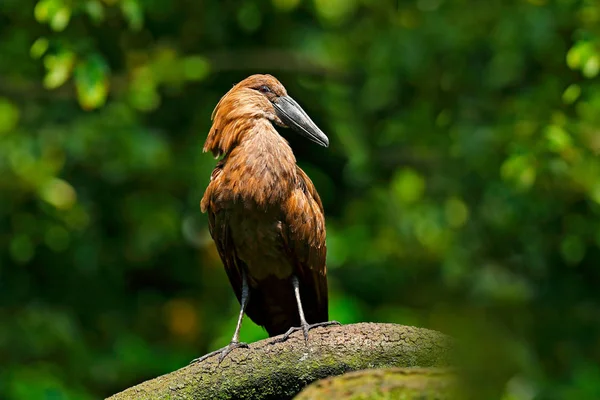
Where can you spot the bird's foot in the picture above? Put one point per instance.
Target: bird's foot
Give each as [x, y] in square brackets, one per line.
[305, 328]
[223, 352]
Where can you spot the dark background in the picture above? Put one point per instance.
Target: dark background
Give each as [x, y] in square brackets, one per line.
[461, 186]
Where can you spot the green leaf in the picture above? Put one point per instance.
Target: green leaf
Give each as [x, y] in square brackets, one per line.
[335, 10]
[61, 19]
[58, 67]
[58, 193]
[558, 139]
[44, 10]
[571, 93]
[578, 54]
[133, 13]
[408, 186]
[143, 93]
[91, 82]
[195, 68]
[95, 10]
[591, 67]
[9, 116]
[39, 47]
[456, 212]
[144, 97]
[520, 170]
[584, 55]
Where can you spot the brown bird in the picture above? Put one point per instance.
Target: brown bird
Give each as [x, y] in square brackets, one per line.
[264, 213]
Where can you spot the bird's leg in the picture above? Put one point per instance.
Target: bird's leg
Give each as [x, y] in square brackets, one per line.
[305, 326]
[235, 340]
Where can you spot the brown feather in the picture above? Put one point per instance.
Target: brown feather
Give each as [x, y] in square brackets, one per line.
[264, 213]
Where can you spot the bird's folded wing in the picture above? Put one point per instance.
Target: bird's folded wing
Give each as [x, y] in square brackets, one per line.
[220, 231]
[303, 233]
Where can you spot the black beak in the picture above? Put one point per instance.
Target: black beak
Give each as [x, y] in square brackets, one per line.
[294, 116]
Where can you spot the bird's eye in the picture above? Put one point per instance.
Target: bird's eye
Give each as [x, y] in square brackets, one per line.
[264, 89]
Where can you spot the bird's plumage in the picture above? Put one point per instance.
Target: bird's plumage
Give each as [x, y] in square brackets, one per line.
[265, 215]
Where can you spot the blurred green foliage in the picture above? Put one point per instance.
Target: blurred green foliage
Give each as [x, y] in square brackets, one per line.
[462, 184]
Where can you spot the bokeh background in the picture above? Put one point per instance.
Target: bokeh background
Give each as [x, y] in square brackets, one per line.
[461, 186]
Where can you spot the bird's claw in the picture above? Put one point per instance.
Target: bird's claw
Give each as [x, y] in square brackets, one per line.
[305, 328]
[223, 352]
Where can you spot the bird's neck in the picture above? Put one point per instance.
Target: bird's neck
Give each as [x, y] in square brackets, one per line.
[265, 163]
[263, 144]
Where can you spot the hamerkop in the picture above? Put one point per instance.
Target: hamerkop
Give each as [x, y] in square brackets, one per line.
[264, 213]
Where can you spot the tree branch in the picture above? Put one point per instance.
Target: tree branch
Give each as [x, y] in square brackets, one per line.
[279, 371]
[388, 383]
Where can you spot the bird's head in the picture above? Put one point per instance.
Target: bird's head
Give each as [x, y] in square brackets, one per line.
[263, 96]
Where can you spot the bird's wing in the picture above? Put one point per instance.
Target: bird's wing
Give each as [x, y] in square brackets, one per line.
[219, 229]
[303, 232]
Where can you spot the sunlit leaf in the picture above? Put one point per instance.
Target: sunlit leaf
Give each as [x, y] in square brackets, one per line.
[58, 67]
[558, 139]
[571, 93]
[578, 54]
[91, 82]
[59, 193]
[39, 47]
[592, 66]
[408, 186]
[584, 55]
[61, 18]
[519, 169]
[45, 9]
[335, 10]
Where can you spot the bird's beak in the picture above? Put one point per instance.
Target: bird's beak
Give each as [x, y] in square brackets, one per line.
[294, 116]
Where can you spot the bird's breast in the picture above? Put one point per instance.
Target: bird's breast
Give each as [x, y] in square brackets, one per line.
[259, 174]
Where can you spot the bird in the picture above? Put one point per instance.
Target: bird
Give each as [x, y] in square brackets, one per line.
[264, 213]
